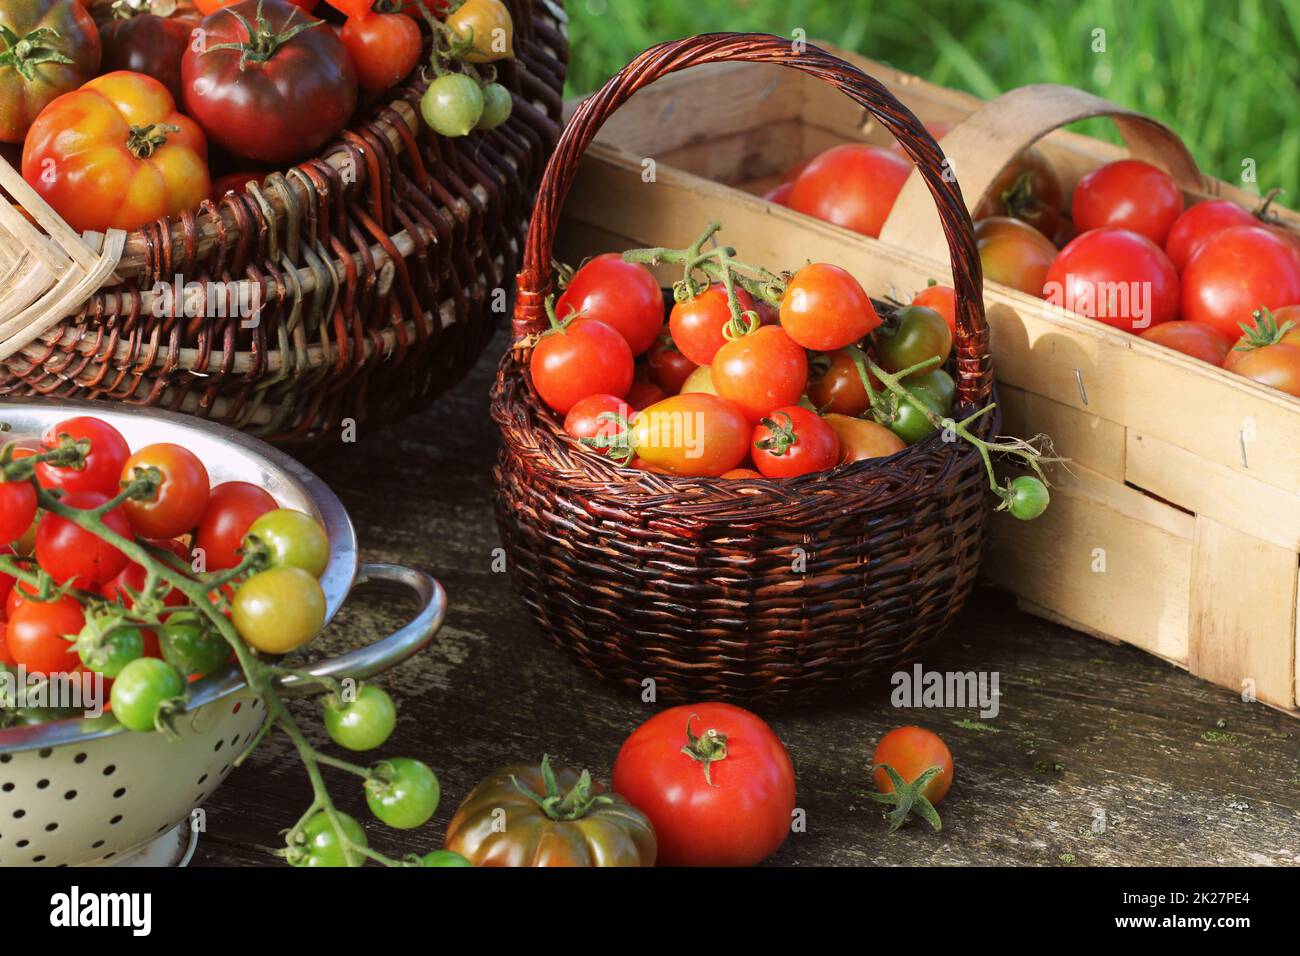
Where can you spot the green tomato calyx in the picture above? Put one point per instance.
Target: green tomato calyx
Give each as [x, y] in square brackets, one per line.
[708, 748]
[563, 807]
[908, 798]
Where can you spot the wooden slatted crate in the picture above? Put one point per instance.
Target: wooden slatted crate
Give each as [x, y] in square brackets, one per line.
[1176, 527]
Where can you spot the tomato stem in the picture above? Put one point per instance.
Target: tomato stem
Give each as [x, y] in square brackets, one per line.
[28, 52]
[908, 798]
[708, 748]
[574, 804]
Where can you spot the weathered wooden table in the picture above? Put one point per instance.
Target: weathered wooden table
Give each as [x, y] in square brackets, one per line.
[1099, 754]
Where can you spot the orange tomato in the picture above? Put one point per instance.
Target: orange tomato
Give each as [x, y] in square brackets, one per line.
[943, 299]
[116, 154]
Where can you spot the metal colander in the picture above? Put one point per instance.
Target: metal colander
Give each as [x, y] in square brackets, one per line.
[79, 791]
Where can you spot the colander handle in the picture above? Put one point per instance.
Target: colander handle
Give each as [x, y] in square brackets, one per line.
[392, 650]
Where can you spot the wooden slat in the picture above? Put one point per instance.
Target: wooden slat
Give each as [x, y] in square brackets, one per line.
[1094, 443]
[1242, 619]
[765, 151]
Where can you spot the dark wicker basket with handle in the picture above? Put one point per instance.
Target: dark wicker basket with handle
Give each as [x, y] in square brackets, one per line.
[769, 592]
[377, 264]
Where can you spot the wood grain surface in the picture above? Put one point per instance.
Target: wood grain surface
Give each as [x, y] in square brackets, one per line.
[1099, 754]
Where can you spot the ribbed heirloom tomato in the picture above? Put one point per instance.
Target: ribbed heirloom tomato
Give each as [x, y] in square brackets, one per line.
[825, 308]
[623, 295]
[47, 48]
[116, 154]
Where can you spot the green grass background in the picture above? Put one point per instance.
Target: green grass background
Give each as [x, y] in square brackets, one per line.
[1225, 75]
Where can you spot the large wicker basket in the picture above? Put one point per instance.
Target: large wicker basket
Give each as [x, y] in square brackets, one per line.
[770, 592]
[379, 264]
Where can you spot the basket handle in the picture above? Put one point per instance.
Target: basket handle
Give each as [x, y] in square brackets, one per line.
[981, 146]
[974, 365]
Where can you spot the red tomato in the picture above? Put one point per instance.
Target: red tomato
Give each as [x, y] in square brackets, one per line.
[763, 370]
[699, 325]
[1284, 328]
[714, 780]
[694, 435]
[385, 47]
[911, 751]
[669, 368]
[5, 659]
[585, 357]
[66, 551]
[1200, 222]
[1196, 339]
[17, 509]
[793, 441]
[180, 500]
[853, 186]
[824, 308]
[1237, 271]
[6, 584]
[644, 394]
[103, 465]
[780, 193]
[18, 593]
[1127, 194]
[590, 418]
[133, 578]
[37, 635]
[1014, 253]
[1277, 366]
[624, 295]
[943, 299]
[1117, 277]
[232, 508]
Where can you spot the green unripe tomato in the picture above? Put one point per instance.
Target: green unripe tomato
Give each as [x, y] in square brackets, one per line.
[918, 333]
[293, 539]
[115, 650]
[453, 104]
[279, 610]
[403, 793]
[363, 723]
[191, 646]
[141, 690]
[498, 104]
[1029, 498]
[444, 858]
[936, 387]
[321, 845]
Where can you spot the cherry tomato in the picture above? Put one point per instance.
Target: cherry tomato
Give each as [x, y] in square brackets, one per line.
[444, 858]
[825, 308]
[1277, 366]
[1200, 222]
[837, 388]
[180, 500]
[763, 370]
[39, 635]
[103, 466]
[143, 690]
[714, 780]
[17, 509]
[453, 105]
[699, 325]
[294, 540]
[860, 439]
[915, 335]
[385, 47]
[793, 441]
[624, 295]
[6, 585]
[669, 368]
[1014, 254]
[362, 723]
[585, 357]
[853, 186]
[1237, 271]
[694, 435]
[1127, 194]
[943, 299]
[231, 510]
[403, 793]
[741, 473]
[603, 417]
[279, 610]
[909, 422]
[1196, 339]
[132, 579]
[644, 394]
[319, 845]
[193, 646]
[118, 648]
[1029, 191]
[1029, 498]
[5, 659]
[1117, 277]
[911, 751]
[68, 552]
[488, 24]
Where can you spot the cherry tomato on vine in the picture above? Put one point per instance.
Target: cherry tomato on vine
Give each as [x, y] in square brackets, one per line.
[321, 846]
[385, 47]
[1117, 277]
[669, 368]
[1014, 254]
[1237, 271]
[453, 104]
[19, 592]
[825, 308]
[584, 357]
[911, 751]
[861, 439]
[1029, 498]
[180, 500]
[936, 386]
[915, 335]
[68, 552]
[490, 27]
[943, 299]
[692, 434]
[854, 186]
[763, 370]
[910, 423]
[1127, 194]
[132, 579]
[144, 689]
[793, 441]
[103, 465]
[6, 584]
[231, 510]
[1028, 190]
[363, 723]
[17, 509]
[699, 325]
[602, 417]
[623, 295]
[114, 652]
[1200, 222]
[39, 634]
[279, 610]
[1196, 339]
[444, 858]
[192, 646]
[5, 659]
[403, 793]
[835, 386]
[714, 780]
[294, 540]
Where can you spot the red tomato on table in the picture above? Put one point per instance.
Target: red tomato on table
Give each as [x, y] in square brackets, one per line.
[726, 802]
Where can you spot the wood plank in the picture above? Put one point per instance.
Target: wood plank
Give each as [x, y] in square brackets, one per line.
[1243, 612]
[765, 151]
[1085, 439]
[1227, 496]
[1104, 557]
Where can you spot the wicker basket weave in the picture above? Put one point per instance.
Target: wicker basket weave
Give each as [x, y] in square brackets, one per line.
[768, 592]
[377, 263]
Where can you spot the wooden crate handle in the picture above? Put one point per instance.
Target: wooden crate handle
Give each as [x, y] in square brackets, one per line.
[974, 365]
[980, 147]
